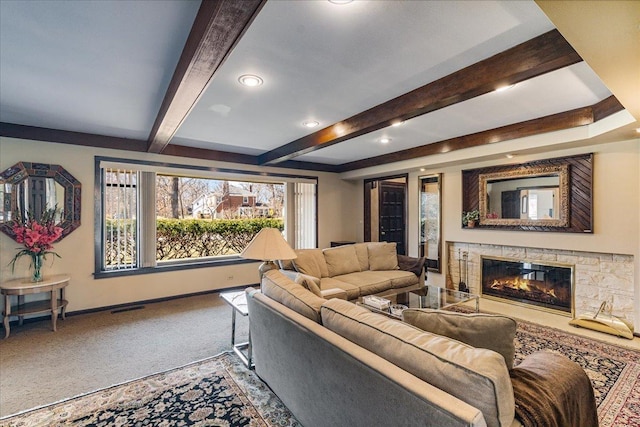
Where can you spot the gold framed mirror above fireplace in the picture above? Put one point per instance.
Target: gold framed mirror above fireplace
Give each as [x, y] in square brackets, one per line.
[537, 196]
[543, 195]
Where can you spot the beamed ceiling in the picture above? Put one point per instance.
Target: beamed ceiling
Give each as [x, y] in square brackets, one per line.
[162, 76]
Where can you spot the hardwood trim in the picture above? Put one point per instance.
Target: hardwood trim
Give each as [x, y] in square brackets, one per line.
[566, 120]
[67, 137]
[11, 130]
[202, 153]
[247, 159]
[578, 117]
[535, 57]
[606, 107]
[218, 27]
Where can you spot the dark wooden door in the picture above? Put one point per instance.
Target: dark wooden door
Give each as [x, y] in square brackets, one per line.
[392, 214]
[511, 204]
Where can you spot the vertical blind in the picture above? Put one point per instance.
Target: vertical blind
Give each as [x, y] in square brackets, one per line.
[305, 215]
[120, 212]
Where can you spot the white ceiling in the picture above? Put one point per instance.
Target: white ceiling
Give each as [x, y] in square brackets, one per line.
[104, 67]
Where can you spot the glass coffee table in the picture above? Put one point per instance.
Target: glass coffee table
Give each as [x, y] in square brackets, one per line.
[433, 297]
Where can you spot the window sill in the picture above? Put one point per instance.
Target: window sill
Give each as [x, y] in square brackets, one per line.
[172, 266]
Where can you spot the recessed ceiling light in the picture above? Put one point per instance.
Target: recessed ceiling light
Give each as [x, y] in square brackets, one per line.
[509, 156]
[250, 80]
[385, 140]
[310, 123]
[397, 123]
[422, 169]
[503, 88]
[340, 1]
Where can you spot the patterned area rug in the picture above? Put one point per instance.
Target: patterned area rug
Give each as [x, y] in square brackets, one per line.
[219, 391]
[614, 371]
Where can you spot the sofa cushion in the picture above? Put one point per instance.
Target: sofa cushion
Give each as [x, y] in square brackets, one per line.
[341, 260]
[367, 281]
[488, 331]
[353, 292]
[475, 375]
[308, 283]
[398, 278]
[362, 253]
[383, 256]
[311, 262]
[280, 288]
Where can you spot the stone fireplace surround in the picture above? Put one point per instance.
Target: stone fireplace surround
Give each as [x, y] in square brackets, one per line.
[597, 276]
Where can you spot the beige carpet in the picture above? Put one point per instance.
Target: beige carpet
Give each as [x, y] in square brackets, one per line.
[97, 350]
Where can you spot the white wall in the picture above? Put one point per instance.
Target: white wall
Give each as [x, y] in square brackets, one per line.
[335, 198]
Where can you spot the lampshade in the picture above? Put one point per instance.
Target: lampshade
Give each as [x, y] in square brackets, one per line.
[268, 245]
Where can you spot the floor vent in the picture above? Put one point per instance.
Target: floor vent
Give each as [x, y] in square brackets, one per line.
[134, 307]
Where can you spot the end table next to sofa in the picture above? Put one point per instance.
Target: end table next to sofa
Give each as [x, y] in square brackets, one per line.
[238, 302]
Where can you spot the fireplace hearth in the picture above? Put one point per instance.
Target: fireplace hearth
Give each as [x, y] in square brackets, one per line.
[541, 285]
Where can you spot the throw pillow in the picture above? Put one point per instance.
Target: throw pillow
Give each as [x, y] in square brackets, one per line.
[479, 330]
[308, 283]
[341, 260]
[363, 255]
[311, 262]
[280, 288]
[383, 257]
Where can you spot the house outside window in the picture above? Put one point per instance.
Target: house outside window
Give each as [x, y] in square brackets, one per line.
[158, 219]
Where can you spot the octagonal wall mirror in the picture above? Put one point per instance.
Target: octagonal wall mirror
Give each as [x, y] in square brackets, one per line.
[35, 187]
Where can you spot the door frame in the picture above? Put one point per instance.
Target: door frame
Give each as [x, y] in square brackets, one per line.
[372, 183]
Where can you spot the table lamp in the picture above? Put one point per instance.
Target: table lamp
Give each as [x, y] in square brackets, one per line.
[268, 245]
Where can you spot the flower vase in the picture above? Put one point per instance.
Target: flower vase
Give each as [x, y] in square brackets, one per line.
[37, 261]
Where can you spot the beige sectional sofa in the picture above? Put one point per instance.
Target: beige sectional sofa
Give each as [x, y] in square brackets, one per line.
[334, 363]
[356, 270]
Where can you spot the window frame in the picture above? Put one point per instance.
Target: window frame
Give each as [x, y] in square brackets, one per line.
[205, 172]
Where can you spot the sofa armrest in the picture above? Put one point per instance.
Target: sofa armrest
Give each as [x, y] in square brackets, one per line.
[414, 265]
[334, 293]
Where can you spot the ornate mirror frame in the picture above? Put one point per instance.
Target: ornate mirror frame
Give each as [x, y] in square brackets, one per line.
[561, 171]
[575, 212]
[12, 177]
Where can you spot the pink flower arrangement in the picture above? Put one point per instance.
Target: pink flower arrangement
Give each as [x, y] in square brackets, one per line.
[36, 236]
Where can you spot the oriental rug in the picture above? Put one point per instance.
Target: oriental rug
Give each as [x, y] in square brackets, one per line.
[614, 371]
[221, 391]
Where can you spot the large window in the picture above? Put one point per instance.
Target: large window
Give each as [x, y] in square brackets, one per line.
[152, 216]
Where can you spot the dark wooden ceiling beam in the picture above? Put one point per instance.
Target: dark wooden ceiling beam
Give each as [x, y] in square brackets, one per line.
[12, 130]
[566, 120]
[538, 56]
[247, 159]
[218, 27]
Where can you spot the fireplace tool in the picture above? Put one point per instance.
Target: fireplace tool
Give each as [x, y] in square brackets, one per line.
[604, 321]
[462, 286]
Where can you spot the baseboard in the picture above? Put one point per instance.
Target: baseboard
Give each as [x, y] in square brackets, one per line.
[131, 305]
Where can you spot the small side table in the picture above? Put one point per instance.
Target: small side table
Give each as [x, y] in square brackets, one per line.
[238, 302]
[22, 287]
